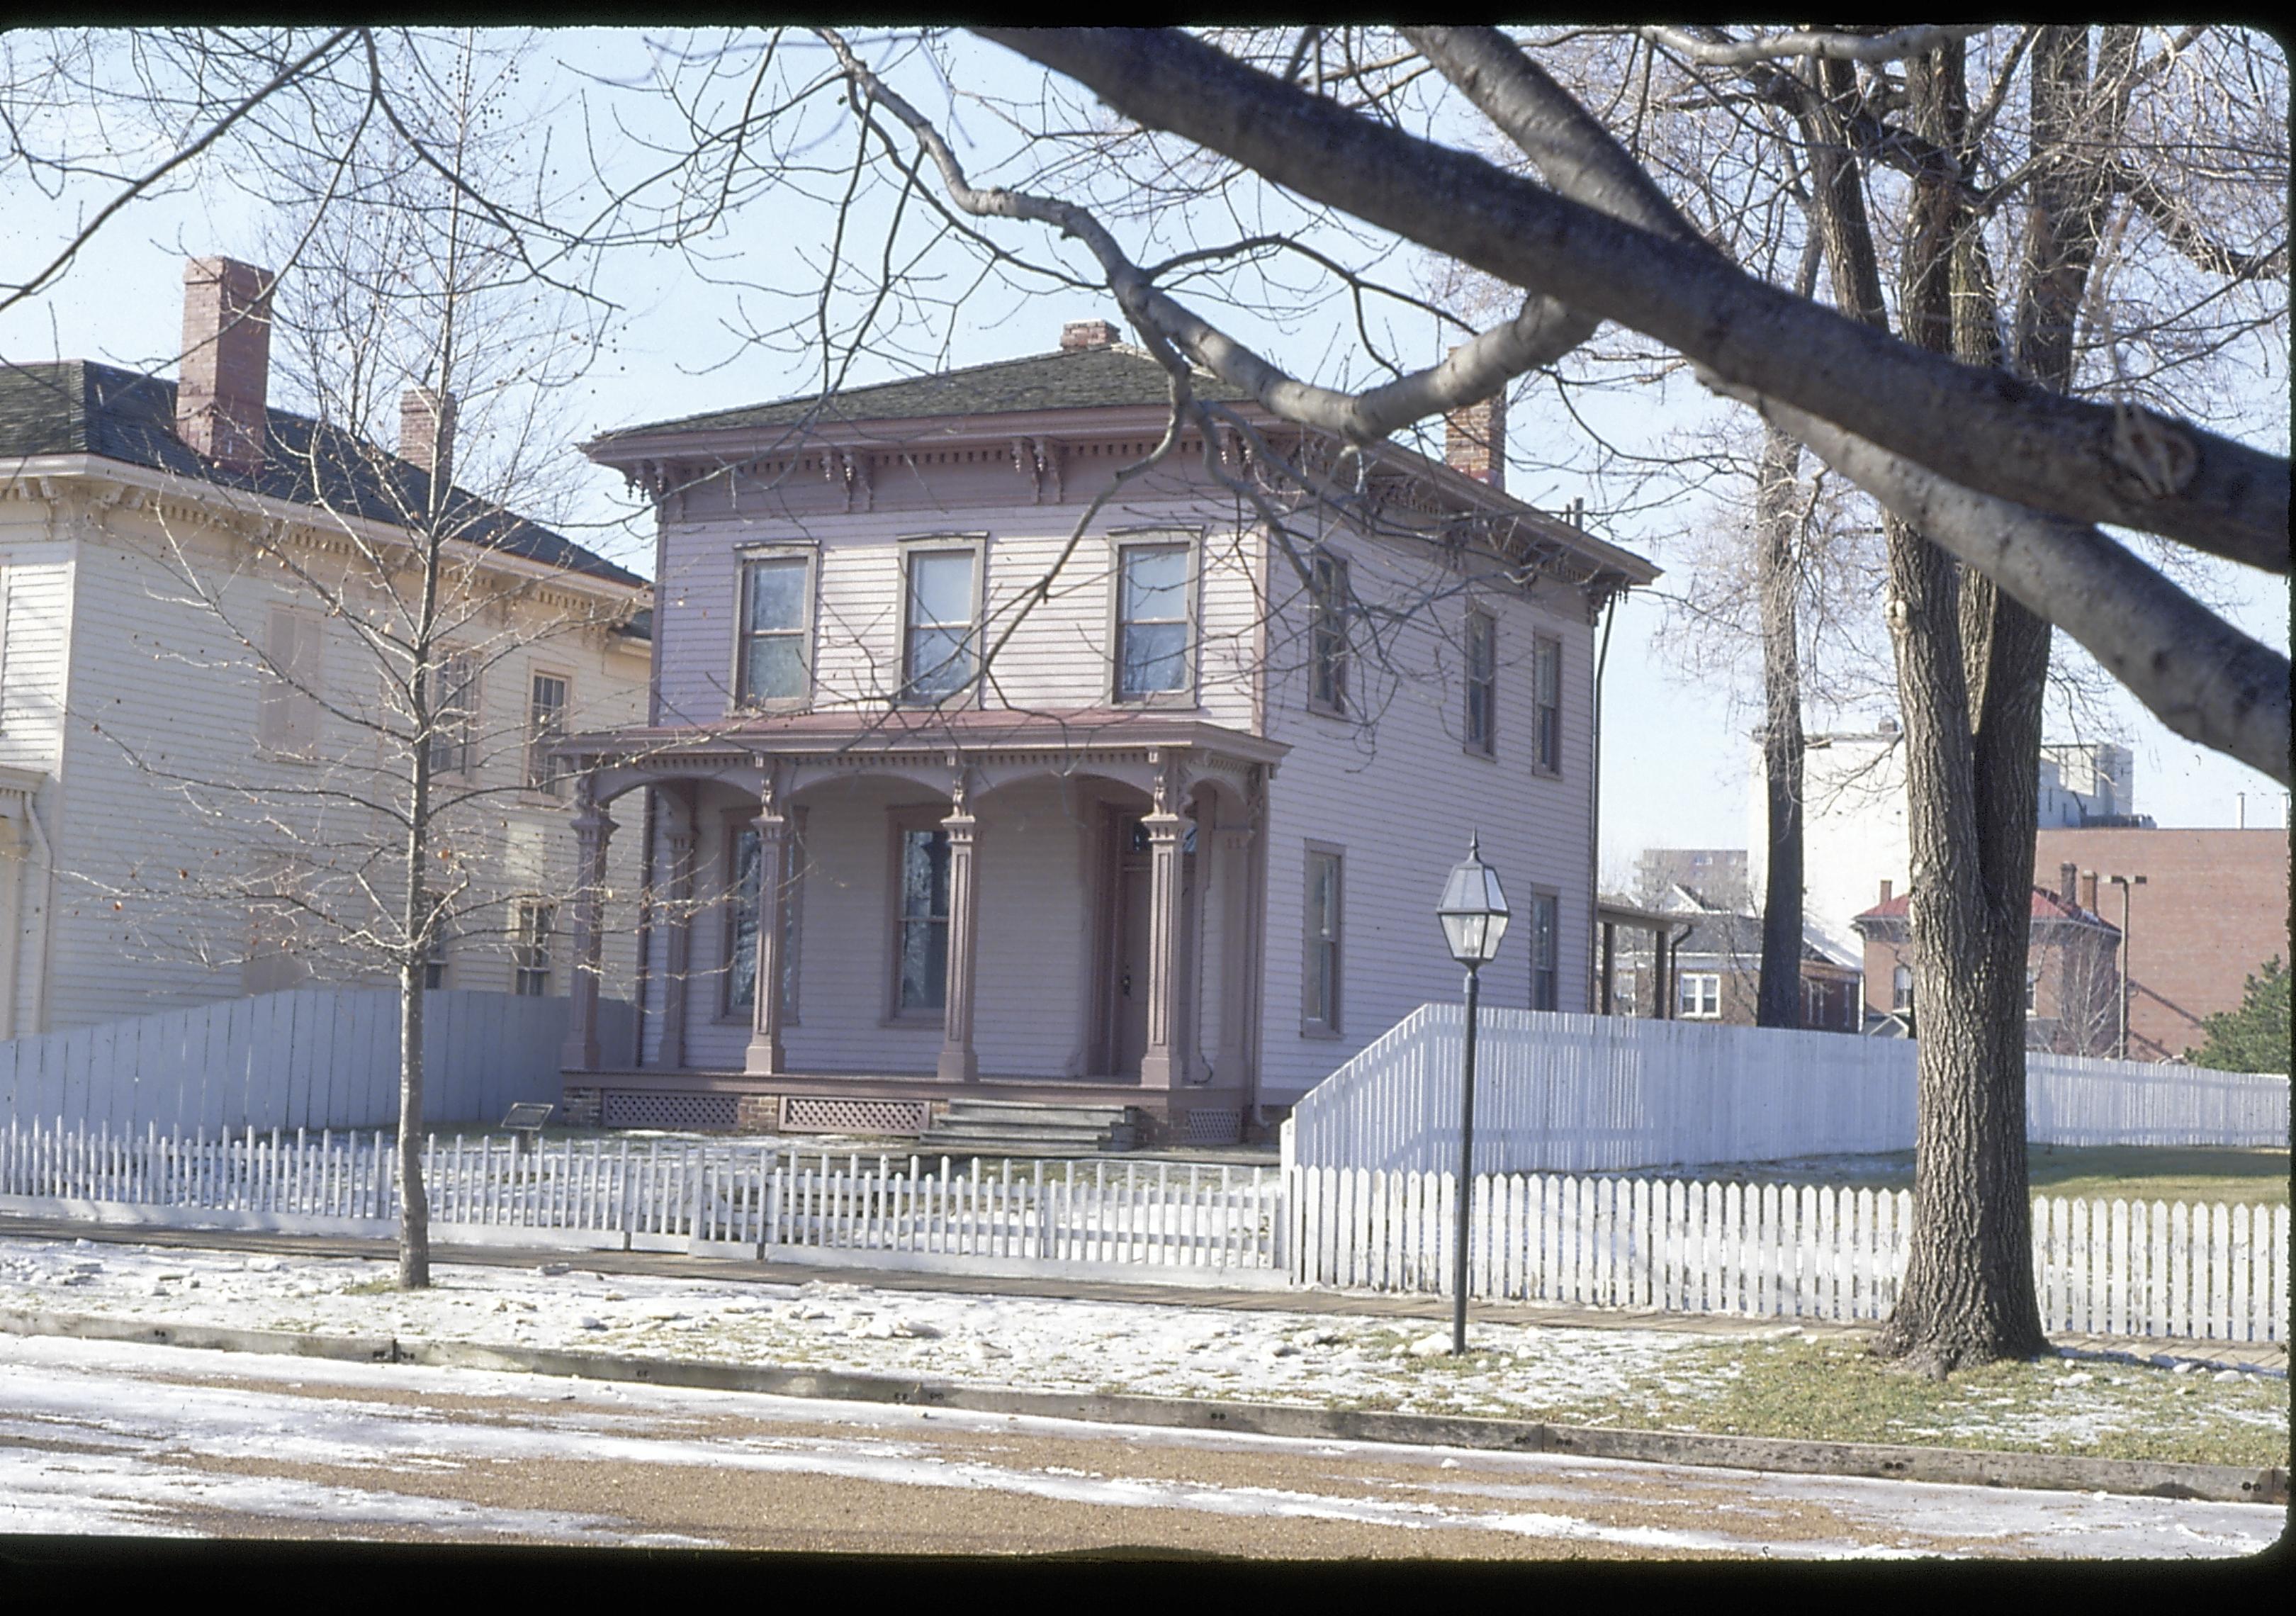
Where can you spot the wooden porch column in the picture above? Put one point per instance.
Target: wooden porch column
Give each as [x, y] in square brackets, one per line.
[766, 1057]
[592, 829]
[1164, 1065]
[1233, 875]
[959, 1064]
[677, 941]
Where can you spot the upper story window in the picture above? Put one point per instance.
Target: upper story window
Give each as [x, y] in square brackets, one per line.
[546, 727]
[1546, 674]
[454, 714]
[774, 661]
[1901, 987]
[937, 654]
[1482, 649]
[1151, 619]
[1327, 634]
[1700, 998]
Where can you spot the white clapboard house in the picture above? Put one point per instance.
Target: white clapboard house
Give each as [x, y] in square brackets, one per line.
[984, 764]
[131, 712]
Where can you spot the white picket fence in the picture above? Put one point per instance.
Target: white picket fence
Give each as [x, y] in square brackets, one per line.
[2214, 1272]
[309, 1058]
[1563, 1092]
[2120, 1268]
[1169, 1219]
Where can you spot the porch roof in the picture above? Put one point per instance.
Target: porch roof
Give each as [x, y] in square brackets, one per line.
[913, 731]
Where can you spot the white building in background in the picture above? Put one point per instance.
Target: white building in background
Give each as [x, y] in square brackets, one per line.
[1854, 834]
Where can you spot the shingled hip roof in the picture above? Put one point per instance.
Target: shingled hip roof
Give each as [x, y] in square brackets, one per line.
[1092, 378]
[75, 407]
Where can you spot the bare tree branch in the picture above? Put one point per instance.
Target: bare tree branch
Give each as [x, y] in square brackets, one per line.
[1981, 428]
[1822, 45]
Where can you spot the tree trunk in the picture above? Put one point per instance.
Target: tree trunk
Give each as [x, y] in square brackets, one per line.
[1778, 999]
[1970, 690]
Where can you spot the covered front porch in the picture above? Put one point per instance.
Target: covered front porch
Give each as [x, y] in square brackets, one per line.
[848, 919]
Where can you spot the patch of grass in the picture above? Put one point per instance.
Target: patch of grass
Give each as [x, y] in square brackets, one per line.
[1832, 1389]
[2127, 1172]
[382, 1285]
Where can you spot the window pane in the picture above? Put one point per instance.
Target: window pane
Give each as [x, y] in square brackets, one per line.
[742, 970]
[941, 587]
[778, 595]
[1479, 638]
[924, 875]
[1155, 582]
[777, 668]
[924, 965]
[1155, 658]
[940, 662]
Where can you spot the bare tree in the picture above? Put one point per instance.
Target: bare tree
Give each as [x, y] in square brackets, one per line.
[421, 646]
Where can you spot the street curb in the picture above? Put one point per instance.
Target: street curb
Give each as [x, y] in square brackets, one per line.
[2220, 1483]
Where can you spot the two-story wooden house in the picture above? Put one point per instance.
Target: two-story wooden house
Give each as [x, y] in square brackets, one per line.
[993, 753]
[194, 799]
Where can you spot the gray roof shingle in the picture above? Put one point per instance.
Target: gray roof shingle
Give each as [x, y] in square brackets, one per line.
[1079, 379]
[75, 406]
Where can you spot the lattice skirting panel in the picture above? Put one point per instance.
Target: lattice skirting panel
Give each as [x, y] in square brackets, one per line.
[1213, 1126]
[817, 1114]
[646, 1109]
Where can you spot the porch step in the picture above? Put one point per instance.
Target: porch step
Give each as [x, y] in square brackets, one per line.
[1022, 1127]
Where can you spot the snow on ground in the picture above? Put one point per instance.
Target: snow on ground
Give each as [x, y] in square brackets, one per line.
[104, 1437]
[1569, 1375]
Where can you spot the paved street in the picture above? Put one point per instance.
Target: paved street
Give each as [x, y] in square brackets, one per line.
[102, 1438]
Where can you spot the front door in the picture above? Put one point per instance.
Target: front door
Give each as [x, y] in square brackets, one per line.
[1129, 958]
[1122, 1010]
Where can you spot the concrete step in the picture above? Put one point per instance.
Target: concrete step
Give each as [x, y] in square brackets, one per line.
[1015, 1145]
[1025, 1116]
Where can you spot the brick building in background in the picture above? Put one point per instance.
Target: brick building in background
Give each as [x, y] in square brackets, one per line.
[2072, 969]
[2212, 910]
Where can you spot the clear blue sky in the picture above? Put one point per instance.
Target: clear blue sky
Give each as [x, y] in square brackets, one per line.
[1676, 752]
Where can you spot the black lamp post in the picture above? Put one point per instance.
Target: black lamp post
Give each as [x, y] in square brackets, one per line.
[1474, 917]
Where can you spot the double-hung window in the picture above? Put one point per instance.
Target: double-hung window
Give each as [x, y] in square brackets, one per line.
[1901, 987]
[546, 727]
[1481, 659]
[1319, 998]
[454, 712]
[936, 653]
[740, 994]
[1700, 996]
[1327, 634]
[1545, 952]
[1547, 676]
[1151, 619]
[921, 949]
[530, 951]
[774, 665]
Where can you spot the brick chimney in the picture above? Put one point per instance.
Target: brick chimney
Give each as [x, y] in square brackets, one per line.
[226, 365]
[1474, 440]
[2067, 884]
[1079, 334]
[2089, 892]
[426, 431]
[1885, 891]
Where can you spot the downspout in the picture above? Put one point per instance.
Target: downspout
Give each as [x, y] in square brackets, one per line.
[1595, 805]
